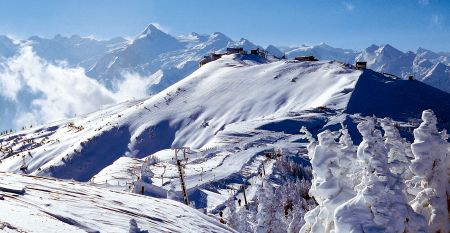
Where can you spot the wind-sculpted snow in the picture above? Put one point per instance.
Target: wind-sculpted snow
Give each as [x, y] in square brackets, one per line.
[430, 167]
[50, 205]
[386, 189]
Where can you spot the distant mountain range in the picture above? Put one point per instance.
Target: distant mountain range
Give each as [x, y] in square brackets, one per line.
[165, 59]
[178, 56]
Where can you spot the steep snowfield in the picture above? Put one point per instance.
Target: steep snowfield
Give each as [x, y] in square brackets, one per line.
[38, 204]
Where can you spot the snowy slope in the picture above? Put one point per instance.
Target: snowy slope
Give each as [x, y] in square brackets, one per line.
[38, 204]
[189, 113]
[230, 112]
[192, 111]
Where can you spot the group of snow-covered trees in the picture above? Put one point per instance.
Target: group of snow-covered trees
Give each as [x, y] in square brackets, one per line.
[383, 185]
[279, 209]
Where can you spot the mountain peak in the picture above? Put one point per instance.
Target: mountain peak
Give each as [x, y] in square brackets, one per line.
[323, 45]
[389, 50]
[151, 28]
[388, 47]
[153, 31]
[219, 34]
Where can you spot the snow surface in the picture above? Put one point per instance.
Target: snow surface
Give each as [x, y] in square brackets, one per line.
[51, 205]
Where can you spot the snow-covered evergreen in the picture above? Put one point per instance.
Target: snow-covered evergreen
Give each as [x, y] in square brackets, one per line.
[430, 184]
[380, 204]
[330, 186]
[269, 210]
[397, 147]
[376, 200]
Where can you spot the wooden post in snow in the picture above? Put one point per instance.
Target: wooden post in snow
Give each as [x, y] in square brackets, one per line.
[184, 151]
[263, 169]
[245, 197]
[183, 186]
[162, 175]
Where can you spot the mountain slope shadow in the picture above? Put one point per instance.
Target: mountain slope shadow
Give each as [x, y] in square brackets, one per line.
[381, 96]
[97, 153]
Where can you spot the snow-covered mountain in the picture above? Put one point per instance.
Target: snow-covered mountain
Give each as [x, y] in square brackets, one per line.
[74, 50]
[175, 57]
[156, 51]
[149, 63]
[386, 58]
[230, 112]
[321, 51]
[7, 47]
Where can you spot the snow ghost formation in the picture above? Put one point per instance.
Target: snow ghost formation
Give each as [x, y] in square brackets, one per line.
[386, 185]
[430, 166]
[398, 149]
[330, 185]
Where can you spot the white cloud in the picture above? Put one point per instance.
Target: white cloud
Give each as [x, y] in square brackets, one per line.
[9, 84]
[56, 91]
[135, 86]
[349, 6]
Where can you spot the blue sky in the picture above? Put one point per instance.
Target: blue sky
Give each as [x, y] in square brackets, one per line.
[406, 24]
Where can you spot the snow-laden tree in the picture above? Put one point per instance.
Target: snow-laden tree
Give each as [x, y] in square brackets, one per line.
[238, 218]
[269, 211]
[397, 149]
[312, 141]
[431, 169]
[171, 193]
[143, 175]
[296, 202]
[350, 172]
[380, 204]
[330, 186]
